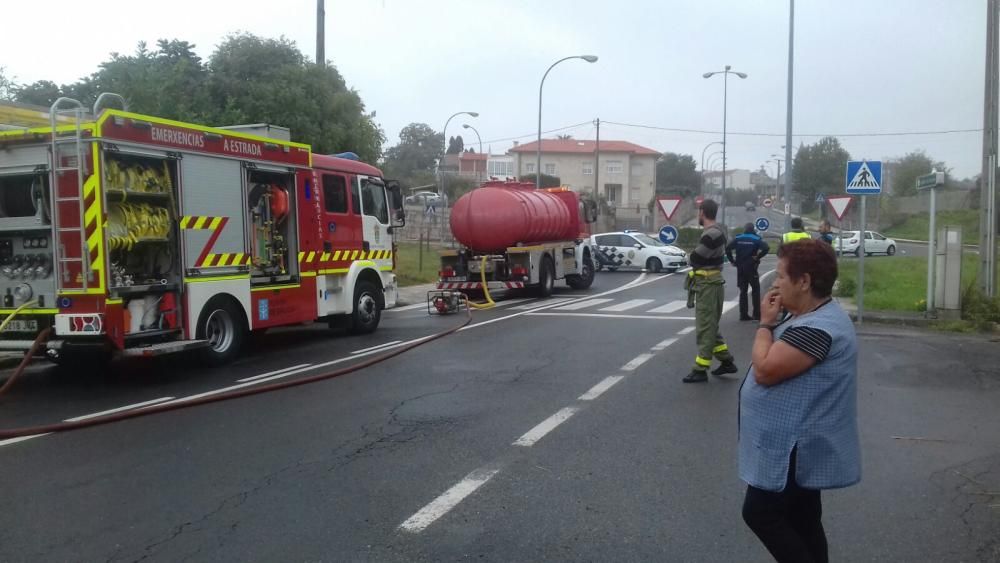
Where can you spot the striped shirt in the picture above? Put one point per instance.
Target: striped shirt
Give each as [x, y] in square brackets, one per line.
[711, 249]
[813, 341]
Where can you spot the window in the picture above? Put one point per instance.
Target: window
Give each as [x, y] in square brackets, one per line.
[500, 168]
[637, 169]
[334, 193]
[633, 195]
[588, 168]
[868, 235]
[550, 169]
[355, 198]
[607, 240]
[373, 198]
[615, 167]
[612, 192]
[529, 168]
[879, 237]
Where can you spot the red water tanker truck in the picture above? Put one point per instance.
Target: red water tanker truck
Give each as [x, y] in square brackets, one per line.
[522, 236]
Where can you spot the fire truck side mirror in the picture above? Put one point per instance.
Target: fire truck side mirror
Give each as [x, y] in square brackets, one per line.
[395, 192]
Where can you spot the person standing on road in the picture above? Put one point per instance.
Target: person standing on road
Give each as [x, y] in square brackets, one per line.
[798, 414]
[749, 249]
[706, 285]
[798, 232]
[825, 232]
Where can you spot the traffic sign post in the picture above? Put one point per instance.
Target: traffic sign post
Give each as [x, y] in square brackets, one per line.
[767, 202]
[762, 224]
[668, 205]
[863, 178]
[668, 234]
[931, 182]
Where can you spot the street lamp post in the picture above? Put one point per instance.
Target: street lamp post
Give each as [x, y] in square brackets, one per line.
[703, 163]
[777, 179]
[467, 126]
[444, 133]
[725, 95]
[538, 149]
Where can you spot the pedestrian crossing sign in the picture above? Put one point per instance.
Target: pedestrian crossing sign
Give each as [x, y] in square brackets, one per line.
[864, 177]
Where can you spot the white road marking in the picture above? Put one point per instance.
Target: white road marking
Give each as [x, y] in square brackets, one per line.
[406, 308]
[630, 304]
[120, 409]
[380, 346]
[610, 316]
[636, 362]
[270, 373]
[582, 304]
[669, 307]
[542, 303]
[546, 426]
[601, 387]
[664, 345]
[686, 330]
[728, 306]
[10, 441]
[448, 500]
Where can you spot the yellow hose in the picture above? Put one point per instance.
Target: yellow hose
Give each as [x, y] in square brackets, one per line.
[11, 316]
[486, 291]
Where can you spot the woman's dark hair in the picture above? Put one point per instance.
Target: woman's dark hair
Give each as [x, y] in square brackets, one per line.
[814, 258]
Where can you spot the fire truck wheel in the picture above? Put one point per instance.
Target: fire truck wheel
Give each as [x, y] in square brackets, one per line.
[586, 276]
[367, 311]
[546, 277]
[222, 324]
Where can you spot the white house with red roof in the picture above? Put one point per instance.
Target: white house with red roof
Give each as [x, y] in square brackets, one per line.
[626, 173]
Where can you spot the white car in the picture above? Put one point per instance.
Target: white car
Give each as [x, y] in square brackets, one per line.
[625, 249]
[850, 243]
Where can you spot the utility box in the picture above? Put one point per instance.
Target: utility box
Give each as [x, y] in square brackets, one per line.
[948, 270]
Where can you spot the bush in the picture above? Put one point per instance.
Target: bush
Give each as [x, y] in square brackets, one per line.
[978, 308]
[847, 287]
[688, 237]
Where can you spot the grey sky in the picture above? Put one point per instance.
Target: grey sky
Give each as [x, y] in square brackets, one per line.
[861, 66]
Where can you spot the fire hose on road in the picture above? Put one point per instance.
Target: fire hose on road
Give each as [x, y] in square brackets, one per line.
[235, 394]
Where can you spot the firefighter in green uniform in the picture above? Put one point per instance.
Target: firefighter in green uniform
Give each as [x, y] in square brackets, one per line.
[706, 288]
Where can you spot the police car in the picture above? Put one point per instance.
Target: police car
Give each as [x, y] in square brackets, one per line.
[630, 249]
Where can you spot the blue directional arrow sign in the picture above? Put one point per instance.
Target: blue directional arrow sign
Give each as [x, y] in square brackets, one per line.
[668, 234]
[762, 224]
[864, 177]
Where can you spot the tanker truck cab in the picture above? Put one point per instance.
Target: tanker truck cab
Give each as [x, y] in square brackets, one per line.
[516, 237]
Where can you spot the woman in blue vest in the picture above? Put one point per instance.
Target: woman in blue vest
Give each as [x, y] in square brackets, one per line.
[798, 406]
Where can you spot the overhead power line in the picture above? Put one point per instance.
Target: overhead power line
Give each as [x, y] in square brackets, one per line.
[535, 133]
[762, 134]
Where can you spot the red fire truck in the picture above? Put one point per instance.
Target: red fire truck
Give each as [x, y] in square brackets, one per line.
[136, 235]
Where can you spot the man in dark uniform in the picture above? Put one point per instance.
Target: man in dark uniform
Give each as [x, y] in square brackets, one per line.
[749, 249]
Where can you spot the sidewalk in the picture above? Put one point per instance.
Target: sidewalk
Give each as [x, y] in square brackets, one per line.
[412, 294]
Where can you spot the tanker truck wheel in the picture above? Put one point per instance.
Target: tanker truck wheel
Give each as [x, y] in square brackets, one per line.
[546, 278]
[585, 278]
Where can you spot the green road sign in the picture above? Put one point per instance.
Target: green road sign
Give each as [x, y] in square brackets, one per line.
[931, 180]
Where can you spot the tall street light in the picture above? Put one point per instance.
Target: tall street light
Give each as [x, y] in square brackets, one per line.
[538, 149]
[777, 179]
[467, 126]
[725, 94]
[444, 133]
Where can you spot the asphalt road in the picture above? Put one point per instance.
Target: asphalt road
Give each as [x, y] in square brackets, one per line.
[547, 430]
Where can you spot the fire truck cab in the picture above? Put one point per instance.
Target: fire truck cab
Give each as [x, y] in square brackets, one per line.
[129, 234]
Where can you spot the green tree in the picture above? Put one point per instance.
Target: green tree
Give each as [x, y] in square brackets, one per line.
[7, 86]
[40, 93]
[819, 168]
[414, 159]
[903, 172]
[455, 145]
[677, 174]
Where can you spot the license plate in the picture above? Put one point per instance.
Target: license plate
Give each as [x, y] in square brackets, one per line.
[21, 326]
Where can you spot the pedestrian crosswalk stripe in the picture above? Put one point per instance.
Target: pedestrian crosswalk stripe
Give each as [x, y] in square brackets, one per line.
[630, 304]
[582, 304]
[671, 307]
[542, 303]
[728, 306]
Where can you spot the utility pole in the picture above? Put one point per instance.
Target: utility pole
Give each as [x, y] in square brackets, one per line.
[987, 180]
[788, 114]
[597, 158]
[320, 33]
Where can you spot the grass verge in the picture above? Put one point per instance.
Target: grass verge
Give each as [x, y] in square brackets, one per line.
[409, 268]
[917, 227]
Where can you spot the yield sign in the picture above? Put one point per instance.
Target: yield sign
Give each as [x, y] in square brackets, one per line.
[668, 205]
[839, 204]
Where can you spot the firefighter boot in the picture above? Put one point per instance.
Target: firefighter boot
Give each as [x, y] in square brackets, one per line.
[695, 376]
[725, 367]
